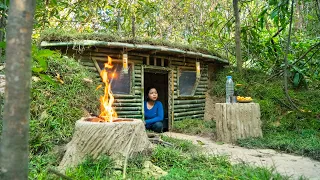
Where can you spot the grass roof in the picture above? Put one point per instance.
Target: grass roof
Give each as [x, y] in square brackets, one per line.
[53, 35]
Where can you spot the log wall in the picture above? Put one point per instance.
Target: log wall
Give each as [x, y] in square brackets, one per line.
[190, 107]
[126, 106]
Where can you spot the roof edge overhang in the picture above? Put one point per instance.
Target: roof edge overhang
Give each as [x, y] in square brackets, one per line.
[135, 46]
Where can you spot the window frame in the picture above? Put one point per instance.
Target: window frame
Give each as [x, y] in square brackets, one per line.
[179, 70]
[132, 81]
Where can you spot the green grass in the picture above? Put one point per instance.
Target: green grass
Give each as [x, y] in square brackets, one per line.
[195, 127]
[54, 109]
[303, 142]
[72, 35]
[183, 145]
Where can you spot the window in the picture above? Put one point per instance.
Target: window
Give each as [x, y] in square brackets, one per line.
[187, 82]
[120, 82]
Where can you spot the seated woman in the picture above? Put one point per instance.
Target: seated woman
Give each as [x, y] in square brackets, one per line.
[153, 111]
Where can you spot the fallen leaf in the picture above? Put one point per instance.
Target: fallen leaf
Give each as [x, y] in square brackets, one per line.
[87, 80]
[59, 79]
[35, 78]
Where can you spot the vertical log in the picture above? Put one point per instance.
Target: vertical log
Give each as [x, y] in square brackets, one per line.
[142, 92]
[14, 145]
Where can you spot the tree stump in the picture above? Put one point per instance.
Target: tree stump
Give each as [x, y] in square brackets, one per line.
[116, 139]
[237, 121]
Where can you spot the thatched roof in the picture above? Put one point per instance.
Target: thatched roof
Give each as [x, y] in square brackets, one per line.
[51, 38]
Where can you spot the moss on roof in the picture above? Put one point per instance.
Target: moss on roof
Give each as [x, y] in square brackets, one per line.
[66, 36]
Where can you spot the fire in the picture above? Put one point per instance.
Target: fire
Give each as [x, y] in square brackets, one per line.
[107, 113]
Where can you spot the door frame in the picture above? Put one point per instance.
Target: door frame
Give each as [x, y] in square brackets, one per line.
[164, 70]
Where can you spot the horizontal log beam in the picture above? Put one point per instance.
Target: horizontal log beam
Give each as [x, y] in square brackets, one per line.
[127, 100]
[125, 96]
[199, 116]
[129, 113]
[178, 110]
[188, 113]
[120, 109]
[204, 86]
[131, 116]
[188, 106]
[201, 90]
[89, 64]
[126, 104]
[189, 100]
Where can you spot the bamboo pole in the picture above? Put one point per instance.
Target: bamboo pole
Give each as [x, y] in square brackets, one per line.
[189, 106]
[190, 99]
[200, 93]
[87, 64]
[129, 113]
[199, 116]
[142, 92]
[126, 104]
[179, 110]
[201, 89]
[127, 109]
[127, 100]
[188, 113]
[172, 101]
[133, 46]
[125, 96]
[131, 116]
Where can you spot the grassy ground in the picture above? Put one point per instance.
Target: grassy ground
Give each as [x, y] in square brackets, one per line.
[284, 129]
[181, 162]
[195, 127]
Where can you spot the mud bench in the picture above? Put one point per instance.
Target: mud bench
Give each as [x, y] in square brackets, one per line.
[237, 121]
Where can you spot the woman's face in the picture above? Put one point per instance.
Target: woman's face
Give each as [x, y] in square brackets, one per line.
[153, 94]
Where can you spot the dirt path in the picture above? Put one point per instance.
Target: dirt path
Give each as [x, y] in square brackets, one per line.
[286, 164]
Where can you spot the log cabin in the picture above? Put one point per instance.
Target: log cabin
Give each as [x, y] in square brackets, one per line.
[181, 75]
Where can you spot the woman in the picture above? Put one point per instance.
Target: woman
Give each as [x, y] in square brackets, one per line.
[153, 111]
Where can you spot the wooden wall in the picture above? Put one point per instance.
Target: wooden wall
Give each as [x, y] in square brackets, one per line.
[126, 106]
[190, 107]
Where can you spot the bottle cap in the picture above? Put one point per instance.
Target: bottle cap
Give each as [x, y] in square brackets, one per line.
[229, 77]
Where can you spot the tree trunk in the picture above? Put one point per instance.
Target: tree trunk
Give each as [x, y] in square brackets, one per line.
[14, 145]
[2, 34]
[237, 35]
[237, 121]
[116, 139]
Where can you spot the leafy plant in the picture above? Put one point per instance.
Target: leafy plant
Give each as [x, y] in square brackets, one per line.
[40, 59]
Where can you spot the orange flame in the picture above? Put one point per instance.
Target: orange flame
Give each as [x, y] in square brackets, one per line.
[107, 113]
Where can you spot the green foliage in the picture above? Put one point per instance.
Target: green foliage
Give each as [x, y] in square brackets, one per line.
[183, 145]
[195, 127]
[40, 59]
[72, 35]
[283, 128]
[99, 169]
[55, 108]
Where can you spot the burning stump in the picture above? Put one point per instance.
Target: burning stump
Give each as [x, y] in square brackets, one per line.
[118, 139]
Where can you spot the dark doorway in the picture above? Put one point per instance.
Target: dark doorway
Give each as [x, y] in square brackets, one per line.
[159, 80]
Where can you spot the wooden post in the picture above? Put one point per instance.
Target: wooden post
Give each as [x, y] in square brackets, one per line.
[237, 121]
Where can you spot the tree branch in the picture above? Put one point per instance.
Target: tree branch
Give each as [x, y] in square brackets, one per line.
[286, 61]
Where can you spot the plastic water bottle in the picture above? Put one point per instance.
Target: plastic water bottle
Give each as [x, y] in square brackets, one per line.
[229, 89]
